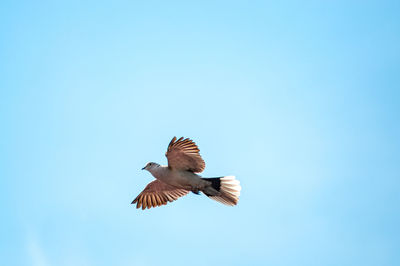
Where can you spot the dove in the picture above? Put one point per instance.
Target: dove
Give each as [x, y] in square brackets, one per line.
[181, 176]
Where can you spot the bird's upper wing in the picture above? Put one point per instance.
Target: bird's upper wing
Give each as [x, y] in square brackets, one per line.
[158, 193]
[184, 154]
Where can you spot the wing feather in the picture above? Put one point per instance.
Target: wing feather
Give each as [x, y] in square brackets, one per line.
[183, 154]
[158, 193]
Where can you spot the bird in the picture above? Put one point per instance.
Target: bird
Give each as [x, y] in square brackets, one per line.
[181, 176]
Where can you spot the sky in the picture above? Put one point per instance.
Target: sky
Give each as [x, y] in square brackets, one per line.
[300, 100]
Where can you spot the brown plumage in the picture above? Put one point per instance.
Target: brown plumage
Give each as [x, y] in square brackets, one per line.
[183, 154]
[158, 193]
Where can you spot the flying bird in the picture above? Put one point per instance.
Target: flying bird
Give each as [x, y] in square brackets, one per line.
[181, 176]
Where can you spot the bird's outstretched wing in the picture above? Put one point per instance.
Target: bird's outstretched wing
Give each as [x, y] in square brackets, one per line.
[158, 193]
[183, 154]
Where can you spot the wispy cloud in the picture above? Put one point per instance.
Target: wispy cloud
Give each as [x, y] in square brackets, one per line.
[35, 251]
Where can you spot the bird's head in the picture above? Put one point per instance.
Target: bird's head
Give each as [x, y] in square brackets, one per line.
[150, 166]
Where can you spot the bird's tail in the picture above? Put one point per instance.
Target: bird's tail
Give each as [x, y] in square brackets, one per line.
[228, 188]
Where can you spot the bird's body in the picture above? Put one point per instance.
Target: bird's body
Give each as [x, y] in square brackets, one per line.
[180, 177]
[175, 177]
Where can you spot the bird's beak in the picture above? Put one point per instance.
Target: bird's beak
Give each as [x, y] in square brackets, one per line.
[143, 168]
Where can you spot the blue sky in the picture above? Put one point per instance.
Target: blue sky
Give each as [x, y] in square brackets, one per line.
[298, 99]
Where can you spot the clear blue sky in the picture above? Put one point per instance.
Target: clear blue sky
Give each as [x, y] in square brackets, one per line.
[299, 99]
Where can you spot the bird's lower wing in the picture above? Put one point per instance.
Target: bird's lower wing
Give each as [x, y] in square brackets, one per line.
[158, 193]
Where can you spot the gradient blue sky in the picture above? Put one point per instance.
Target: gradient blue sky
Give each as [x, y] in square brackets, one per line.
[299, 99]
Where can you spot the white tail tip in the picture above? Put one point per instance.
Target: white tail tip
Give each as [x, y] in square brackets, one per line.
[230, 191]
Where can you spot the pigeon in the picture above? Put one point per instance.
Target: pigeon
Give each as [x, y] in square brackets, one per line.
[181, 177]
